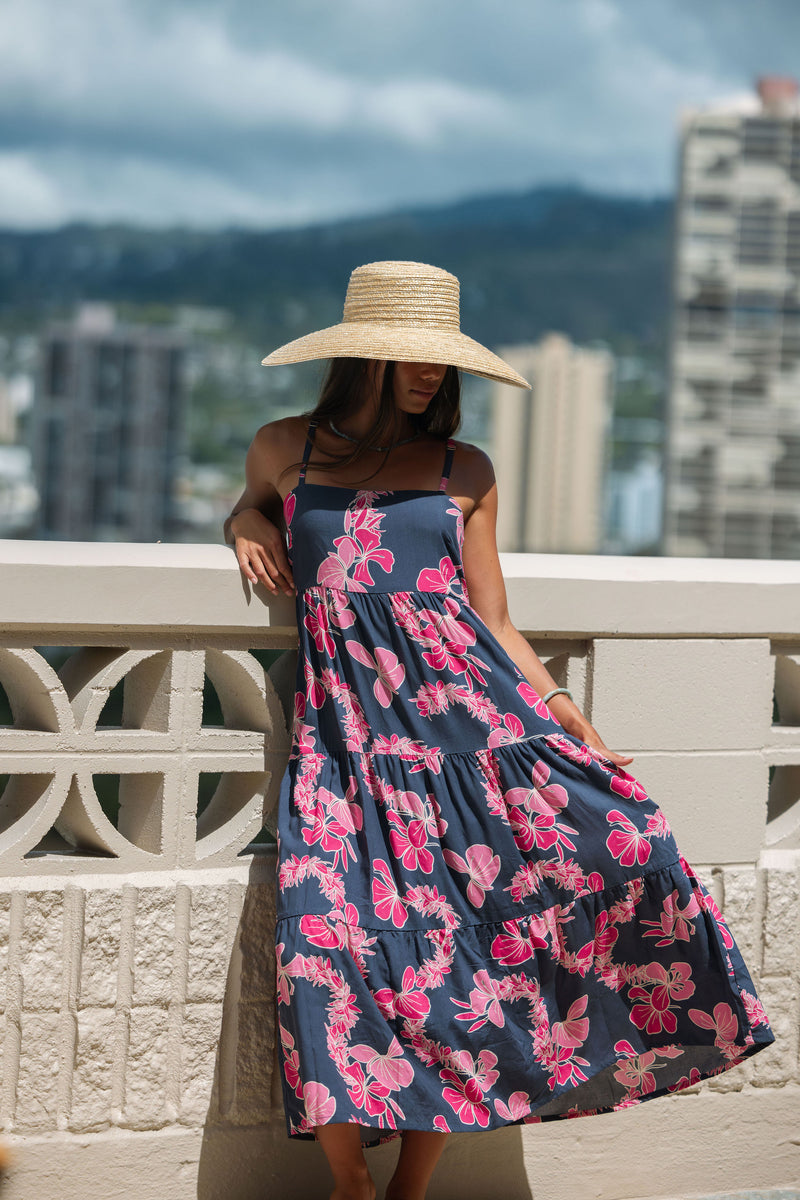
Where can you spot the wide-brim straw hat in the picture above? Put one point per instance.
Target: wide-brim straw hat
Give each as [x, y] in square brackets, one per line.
[400, 312]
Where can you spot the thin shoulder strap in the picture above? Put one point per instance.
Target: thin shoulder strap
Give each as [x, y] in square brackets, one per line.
[312, 425]
[448, 463]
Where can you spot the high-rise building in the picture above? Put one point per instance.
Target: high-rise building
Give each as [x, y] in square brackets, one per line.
[549, 447]
[732, 466]
[108, 428]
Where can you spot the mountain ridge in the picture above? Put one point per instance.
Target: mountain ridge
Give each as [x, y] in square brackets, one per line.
[593, 265]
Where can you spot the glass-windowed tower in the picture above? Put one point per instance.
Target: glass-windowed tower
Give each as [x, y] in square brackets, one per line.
[108, 429]
[732, 469]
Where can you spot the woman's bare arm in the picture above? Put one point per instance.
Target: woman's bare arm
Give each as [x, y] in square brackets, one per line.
[487, 594]
[255, 527]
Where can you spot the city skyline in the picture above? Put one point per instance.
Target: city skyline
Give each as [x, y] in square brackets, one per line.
[210, 113]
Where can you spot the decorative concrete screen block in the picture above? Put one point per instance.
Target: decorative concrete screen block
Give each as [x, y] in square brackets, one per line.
[59, 745]
[682, 693]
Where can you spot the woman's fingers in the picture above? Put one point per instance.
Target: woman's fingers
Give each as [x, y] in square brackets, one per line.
[621, 760]
[260, 566]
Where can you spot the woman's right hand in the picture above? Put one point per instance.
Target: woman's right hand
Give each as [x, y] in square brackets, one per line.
[261, 551]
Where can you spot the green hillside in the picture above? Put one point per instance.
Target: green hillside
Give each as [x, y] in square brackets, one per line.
[553, 258]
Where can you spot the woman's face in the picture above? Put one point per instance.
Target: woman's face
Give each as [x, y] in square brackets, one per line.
[415, 385]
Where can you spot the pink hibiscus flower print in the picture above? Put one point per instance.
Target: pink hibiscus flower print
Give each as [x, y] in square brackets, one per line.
[440, 1124]
[367, 1092]
[723, 1022]
[484, 1003]
[512, 730]
[480, 865]
[574, 1029]
[439, 580]
[534, 701]
[627, 844]
[465, 1098]
[654, 1013]
[626, 786]
[675, 923]
[707, 902]
[291, 1061]
[409, 843]
[333, 572]
[315, 691]
[317, 623]
[519, 1105]
[409, 1002]
[514, 946]
[391, 1069]
[390, 670]
[532, 814]
[319, 1103]
[385, 896]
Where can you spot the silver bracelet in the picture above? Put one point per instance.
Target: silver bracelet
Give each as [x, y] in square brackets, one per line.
[556, 692]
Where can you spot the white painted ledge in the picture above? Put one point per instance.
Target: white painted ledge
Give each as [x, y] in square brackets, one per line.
[107, 586]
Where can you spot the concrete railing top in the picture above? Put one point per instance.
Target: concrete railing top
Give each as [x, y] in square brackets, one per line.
[108, 586]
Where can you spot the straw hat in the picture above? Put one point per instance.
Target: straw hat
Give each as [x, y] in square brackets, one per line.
[403, 312]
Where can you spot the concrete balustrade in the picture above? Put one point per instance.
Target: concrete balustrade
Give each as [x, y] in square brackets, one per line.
[136, 959]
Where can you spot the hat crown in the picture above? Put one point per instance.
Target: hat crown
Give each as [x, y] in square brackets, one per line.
[403, 293]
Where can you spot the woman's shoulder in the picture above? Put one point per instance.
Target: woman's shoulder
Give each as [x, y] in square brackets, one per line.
[283, 440]
[472, 469]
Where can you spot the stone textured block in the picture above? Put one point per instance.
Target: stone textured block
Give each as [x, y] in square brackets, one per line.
[37, 1085]
[780, 923]
[209, 953]
[682, 693]
[154, 947]
[41, 959]
[740, 909]
[778, 1063]
[5, 912]
[92, 1080]
[199, 1048]
[254, 1060]
[715, 803]
[146, 1069]
[257, 941]
[101, 947]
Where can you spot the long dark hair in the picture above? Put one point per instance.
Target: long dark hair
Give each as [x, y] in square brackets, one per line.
[344, 388]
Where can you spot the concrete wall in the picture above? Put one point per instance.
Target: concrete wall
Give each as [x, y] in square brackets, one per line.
[136, 953]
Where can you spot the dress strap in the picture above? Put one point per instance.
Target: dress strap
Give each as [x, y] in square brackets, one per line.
[312, 425]
[448, 463]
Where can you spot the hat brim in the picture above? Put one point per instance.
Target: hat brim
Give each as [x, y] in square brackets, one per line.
[398, 343]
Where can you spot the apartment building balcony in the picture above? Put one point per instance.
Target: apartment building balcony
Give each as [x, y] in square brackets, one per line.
[136, 899]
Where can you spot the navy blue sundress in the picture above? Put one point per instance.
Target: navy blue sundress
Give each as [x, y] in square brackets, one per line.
[481, 919]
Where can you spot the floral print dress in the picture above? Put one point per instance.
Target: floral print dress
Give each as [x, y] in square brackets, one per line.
[481, 919]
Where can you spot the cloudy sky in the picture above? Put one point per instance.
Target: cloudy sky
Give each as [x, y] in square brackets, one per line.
[268, 113]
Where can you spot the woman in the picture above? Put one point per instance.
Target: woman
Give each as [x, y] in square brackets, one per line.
[483, 918]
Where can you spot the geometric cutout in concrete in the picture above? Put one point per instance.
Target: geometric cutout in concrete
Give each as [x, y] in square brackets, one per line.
[783, 808]
[787, 689]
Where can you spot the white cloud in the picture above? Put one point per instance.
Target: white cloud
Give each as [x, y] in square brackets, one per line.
[161, 110]
[28, 196]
